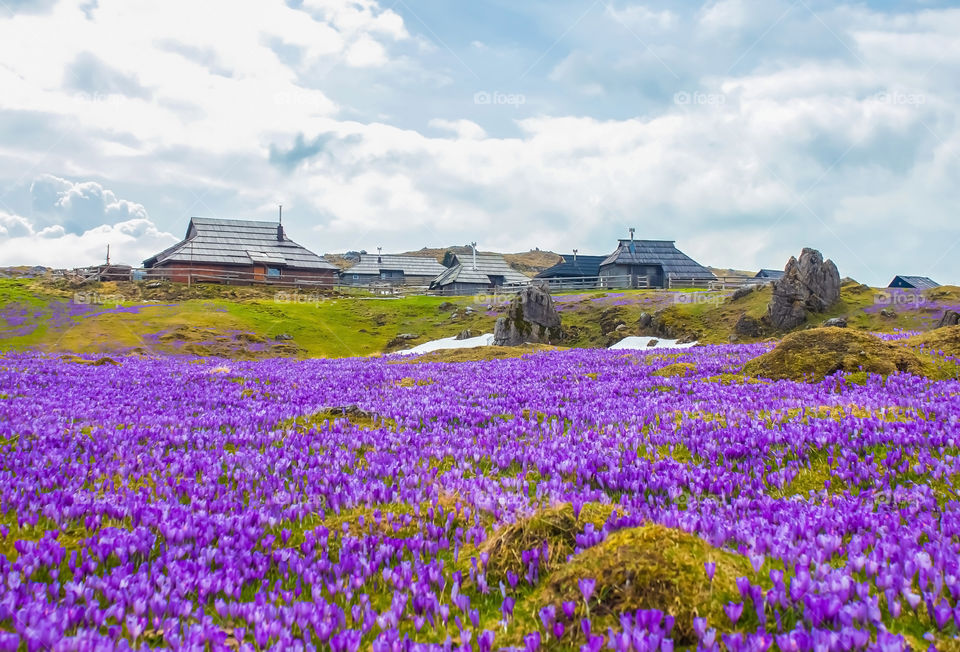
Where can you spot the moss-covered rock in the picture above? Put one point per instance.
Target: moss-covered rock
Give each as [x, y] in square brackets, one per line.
[677, 369]
[813, 354]
[648, 567]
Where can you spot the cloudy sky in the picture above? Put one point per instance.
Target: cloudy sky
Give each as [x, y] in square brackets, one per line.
[742, 129]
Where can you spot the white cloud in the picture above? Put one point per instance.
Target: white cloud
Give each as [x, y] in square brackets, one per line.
[466, 129]
[90, 217]
[642, 18]
[215, 80]
[130, 242]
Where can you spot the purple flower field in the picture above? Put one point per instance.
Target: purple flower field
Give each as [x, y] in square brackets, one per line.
[195, 503]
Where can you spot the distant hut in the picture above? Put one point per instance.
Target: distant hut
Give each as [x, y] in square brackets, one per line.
[658, 260]
[475, 273]
[241, 251]
[573, 266]
[392, 270]
[770, 274]
[913, 282]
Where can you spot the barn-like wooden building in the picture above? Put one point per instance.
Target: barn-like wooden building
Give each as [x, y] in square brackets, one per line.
[659, 261]
[390, 269]
[240, 251]
[475, 273]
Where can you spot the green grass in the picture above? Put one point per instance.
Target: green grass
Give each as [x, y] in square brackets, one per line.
[324, 325]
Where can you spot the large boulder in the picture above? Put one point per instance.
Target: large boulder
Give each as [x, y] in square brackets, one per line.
[531, 318]
[809, 284]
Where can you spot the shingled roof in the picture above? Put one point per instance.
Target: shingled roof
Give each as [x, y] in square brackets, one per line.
[238, 242]
[770, 273]
[574, 266]
[487, 265]
[675, 263]
[914, 282]
[409, 265]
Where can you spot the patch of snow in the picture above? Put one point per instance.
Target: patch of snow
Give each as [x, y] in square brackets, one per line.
[449, 343]
[643, 343]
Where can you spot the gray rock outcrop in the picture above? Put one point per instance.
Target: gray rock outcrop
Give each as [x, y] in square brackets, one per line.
[809, 285]
[950, 318]
[531, 318]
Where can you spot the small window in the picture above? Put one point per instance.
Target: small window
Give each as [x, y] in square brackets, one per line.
[356, 277]
[273, 271]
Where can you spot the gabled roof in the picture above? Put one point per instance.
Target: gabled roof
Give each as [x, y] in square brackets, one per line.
[916, 282]
[675, 263]
[238, 242]
[487, 265]
[769, 273]
[574, 266]
[409, 265]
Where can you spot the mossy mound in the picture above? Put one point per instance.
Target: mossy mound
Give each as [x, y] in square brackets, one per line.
[946, 340]
[350, 413]
[99, 362]
[556, 526]
[680, 369]
[649, 567]
[813, 354]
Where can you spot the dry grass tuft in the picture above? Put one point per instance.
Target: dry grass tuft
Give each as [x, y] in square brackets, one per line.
[557, 526]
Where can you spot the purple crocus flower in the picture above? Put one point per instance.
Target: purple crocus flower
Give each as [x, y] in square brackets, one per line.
[733, 611]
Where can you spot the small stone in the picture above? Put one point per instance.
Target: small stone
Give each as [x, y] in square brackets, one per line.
[836, 322]
[741, 292]
[748, 326]
[283, 337]
[888, 313]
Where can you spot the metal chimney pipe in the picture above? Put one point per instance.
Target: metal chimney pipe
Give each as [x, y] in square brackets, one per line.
[473, 245]
[574, 255]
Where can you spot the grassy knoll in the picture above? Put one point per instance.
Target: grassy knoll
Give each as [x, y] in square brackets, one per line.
[252, 322]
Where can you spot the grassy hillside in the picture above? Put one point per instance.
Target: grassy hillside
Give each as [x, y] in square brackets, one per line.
[118, 318]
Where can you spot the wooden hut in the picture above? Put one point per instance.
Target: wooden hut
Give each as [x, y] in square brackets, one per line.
[770, 274]
[388, 269]
[240, 251]
[573, 266]
[659, 261]
[475, 273]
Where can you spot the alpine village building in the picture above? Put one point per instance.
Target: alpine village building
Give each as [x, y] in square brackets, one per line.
[241, 251]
